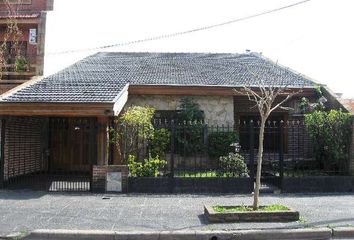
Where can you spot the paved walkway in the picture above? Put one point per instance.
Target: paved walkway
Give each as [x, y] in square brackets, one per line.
[26, 210]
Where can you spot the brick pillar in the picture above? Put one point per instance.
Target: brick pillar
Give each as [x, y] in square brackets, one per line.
[351, 164]
[98, 182]
[99, 174]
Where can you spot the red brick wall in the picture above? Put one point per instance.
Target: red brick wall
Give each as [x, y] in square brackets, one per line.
[31, 49]
[34, 53]
[99, 176]
[33, 6]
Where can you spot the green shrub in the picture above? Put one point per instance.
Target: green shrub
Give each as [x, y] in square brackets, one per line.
[141, 118]
[232, 165]
[330, 133]
[20, 64]
[135, 129]
[190, 131]
[219, 143]
[190, 139]
[148, 168]
[190, 111]
[159, 142]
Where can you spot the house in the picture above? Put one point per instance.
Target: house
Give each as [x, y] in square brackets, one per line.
[30, 17]
[59, 123]
[349, 103]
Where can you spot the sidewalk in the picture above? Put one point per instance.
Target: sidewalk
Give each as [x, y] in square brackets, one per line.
[26, 211]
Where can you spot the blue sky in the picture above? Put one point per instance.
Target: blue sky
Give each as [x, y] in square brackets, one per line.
[314, 38]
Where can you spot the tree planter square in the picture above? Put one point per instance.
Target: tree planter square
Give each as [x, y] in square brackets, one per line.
[250, 216]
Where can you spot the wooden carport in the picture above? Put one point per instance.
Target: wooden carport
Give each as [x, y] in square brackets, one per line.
[55, 142]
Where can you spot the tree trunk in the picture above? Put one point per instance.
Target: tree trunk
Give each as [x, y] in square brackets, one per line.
[259, 165]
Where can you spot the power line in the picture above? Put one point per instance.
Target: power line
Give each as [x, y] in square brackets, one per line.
[170, 35]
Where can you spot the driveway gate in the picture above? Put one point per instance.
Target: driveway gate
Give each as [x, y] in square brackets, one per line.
[51, 154]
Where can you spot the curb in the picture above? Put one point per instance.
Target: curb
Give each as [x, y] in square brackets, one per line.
[299, 234]
[343, 232]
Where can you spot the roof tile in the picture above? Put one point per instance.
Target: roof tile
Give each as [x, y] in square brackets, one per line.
[101, 77]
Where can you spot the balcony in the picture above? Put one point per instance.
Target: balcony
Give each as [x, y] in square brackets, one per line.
[17, 71]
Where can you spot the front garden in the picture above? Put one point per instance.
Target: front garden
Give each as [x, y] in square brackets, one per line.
[185, 148]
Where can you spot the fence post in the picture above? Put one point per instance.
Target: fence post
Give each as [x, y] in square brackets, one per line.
[206, 141]
[2, 152]
[351, 153]
[251, 134]
[110, 136]
[281, 153]
[137, 143]
[173, 133]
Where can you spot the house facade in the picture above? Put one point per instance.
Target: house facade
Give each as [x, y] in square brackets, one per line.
[59, 123]
[28, 43]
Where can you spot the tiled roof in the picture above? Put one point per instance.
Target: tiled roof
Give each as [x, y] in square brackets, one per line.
[100, 77]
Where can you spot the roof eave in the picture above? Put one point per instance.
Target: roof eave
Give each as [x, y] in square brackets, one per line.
[220, 86]
[63, 109]
[202, 90]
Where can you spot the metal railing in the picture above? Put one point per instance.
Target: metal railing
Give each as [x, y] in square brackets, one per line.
[194, 149]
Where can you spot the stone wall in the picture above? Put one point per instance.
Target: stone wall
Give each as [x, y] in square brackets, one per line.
[218, 110]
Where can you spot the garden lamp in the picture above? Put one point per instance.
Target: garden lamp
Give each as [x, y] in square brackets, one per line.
[237, 146]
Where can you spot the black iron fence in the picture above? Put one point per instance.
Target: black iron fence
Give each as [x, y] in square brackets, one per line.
[198, 150]
[57, 154]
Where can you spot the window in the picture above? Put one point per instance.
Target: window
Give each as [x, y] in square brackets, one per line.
[11, 51]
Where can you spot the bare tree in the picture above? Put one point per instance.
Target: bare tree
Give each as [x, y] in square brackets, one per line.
[270, 92]
[12, 34]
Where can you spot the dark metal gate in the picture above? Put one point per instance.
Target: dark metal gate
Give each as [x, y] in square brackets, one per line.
[50, 154]
[273, 153]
